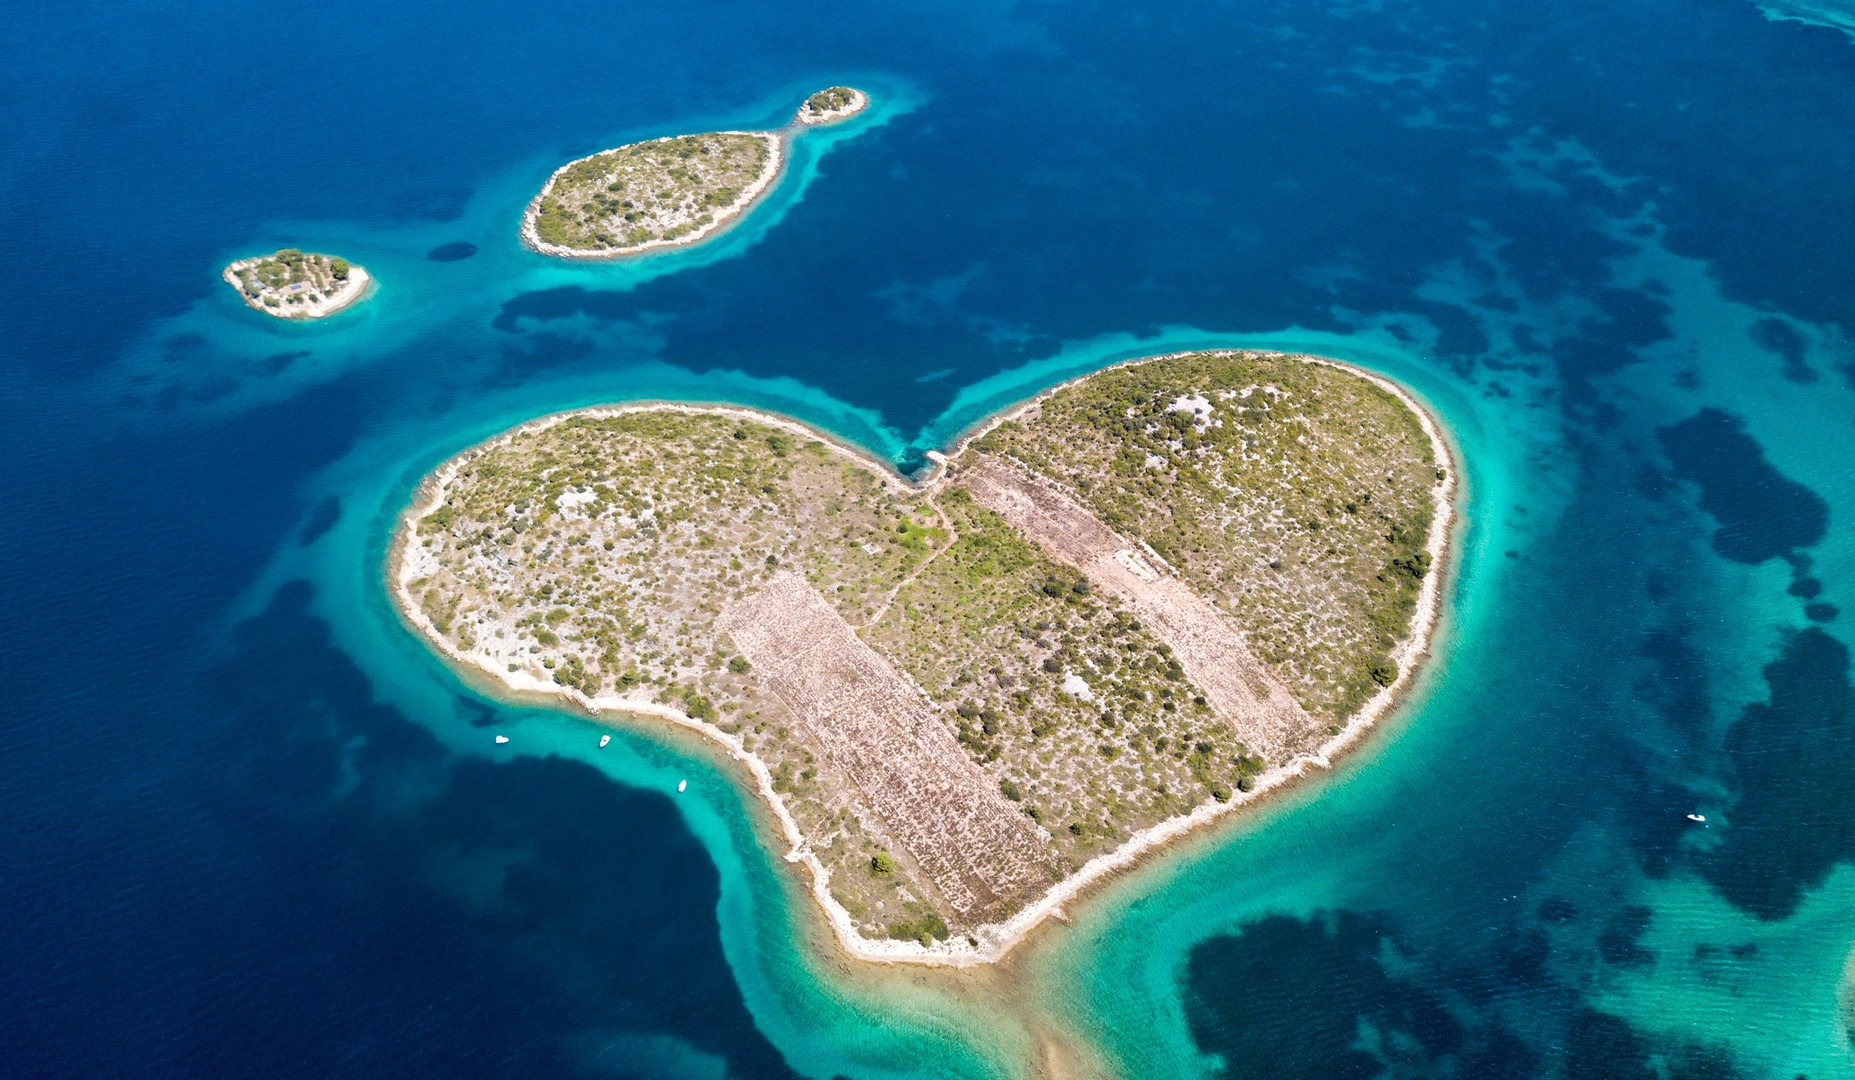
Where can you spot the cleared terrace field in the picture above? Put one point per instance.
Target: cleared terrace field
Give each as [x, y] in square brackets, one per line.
[1295, 496]
[969, 845]
[1258, 709]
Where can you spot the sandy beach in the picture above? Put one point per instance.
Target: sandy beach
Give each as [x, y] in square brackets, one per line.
[409, 563]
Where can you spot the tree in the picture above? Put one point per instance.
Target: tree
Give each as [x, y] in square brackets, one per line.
[882, 863]
[338, 267]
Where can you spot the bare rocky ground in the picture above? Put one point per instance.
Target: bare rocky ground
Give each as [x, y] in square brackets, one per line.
[977, 857]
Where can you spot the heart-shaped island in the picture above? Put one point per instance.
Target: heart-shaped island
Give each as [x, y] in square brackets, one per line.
[1128, 605]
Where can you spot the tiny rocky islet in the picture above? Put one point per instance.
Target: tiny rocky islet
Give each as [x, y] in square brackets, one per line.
[1111, 615]
[294, 284]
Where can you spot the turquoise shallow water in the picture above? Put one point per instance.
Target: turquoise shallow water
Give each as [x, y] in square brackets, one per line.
[255, 827]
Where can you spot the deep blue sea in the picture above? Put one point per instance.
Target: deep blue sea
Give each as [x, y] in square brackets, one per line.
[250, 827]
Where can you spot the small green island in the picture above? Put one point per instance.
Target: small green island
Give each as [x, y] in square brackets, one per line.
[832, 104]
[293, 284]
[1108, 616]
[668, 192]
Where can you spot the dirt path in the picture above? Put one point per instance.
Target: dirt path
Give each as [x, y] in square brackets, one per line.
[953, 537]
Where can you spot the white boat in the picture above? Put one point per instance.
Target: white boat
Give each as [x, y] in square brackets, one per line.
[681, 784]
[1697, 817]
[603, 739]
[500, 739]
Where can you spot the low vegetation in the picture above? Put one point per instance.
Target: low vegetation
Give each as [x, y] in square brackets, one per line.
[831, 99]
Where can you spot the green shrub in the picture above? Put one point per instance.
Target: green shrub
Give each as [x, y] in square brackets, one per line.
[926, 929]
